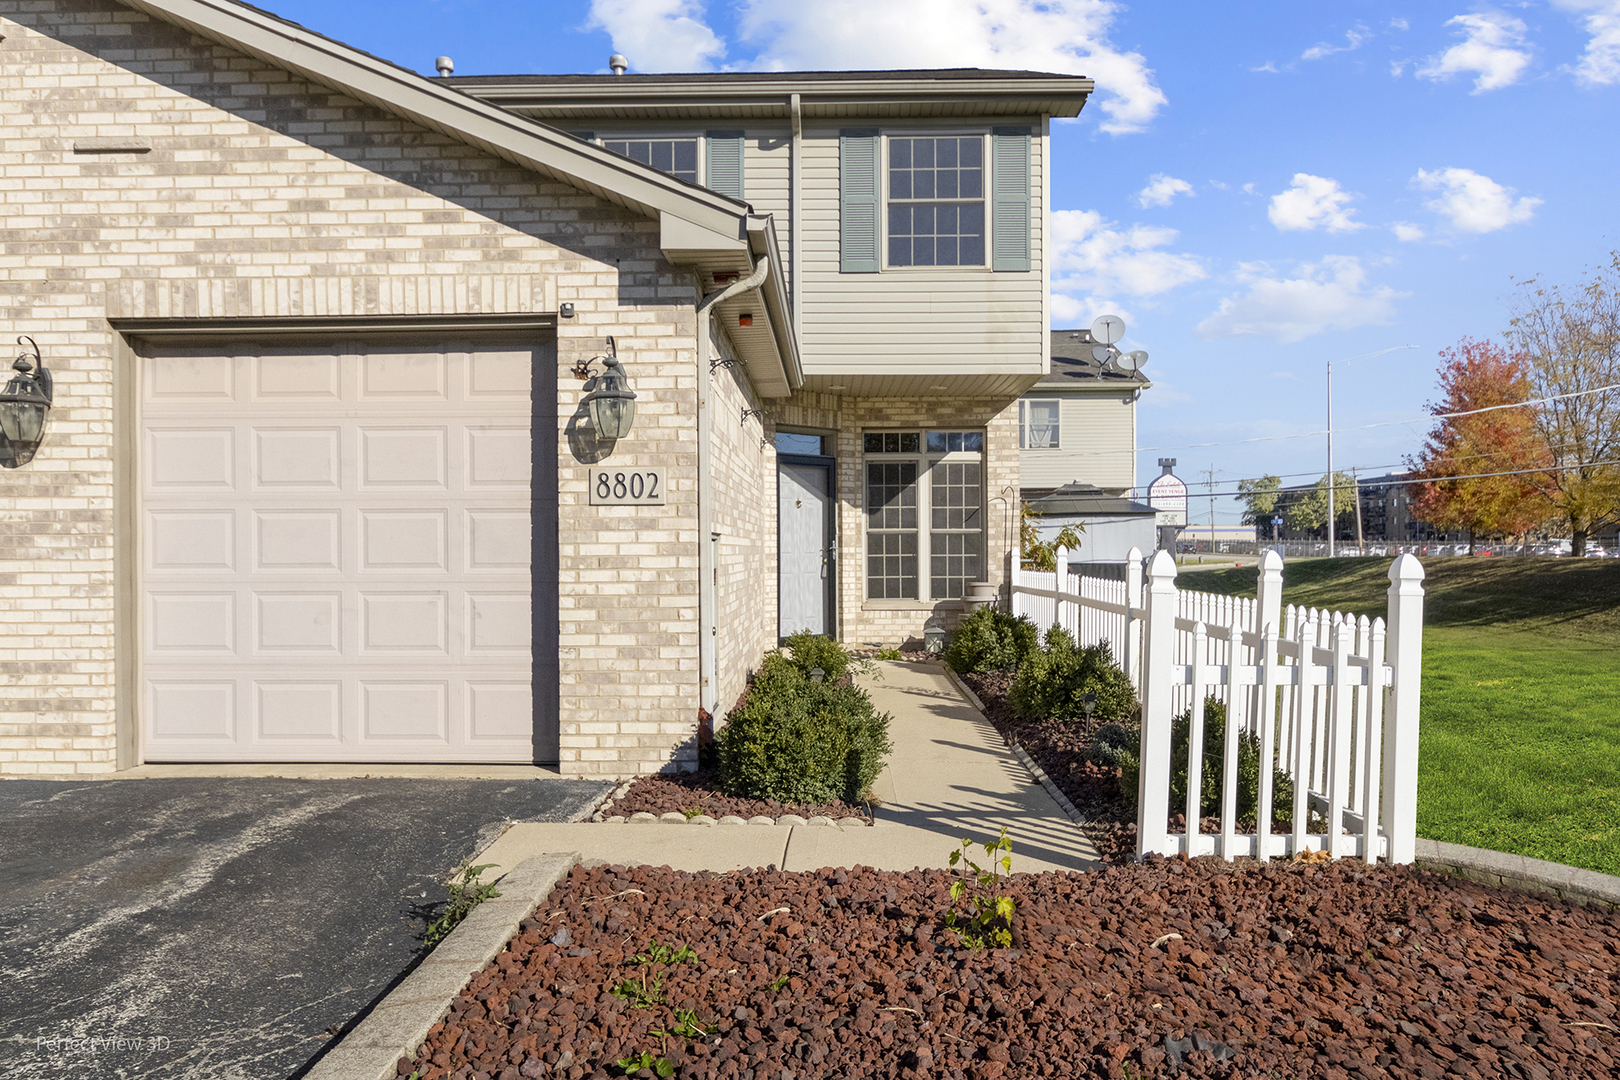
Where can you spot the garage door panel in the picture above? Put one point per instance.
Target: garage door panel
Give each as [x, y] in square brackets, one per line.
[190, 541]
[336, 556]
[306, 459]
[195, 459]
[285, 377]
[413, 622]
[405, 457]
[308, 712]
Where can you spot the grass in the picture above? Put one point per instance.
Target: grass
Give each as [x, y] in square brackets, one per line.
[1520, 743]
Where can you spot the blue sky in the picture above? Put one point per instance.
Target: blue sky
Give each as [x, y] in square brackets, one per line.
[1258, 188]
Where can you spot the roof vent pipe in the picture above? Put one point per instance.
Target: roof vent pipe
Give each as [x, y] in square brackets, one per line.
[619, 63]
[444, 65]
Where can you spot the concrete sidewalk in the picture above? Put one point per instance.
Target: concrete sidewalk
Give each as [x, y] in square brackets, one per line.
[950, 777]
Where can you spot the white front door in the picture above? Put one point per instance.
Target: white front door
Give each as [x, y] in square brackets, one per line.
[335, 559]
[803, 497]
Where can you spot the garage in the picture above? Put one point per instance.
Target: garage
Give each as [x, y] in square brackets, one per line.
[335, 552]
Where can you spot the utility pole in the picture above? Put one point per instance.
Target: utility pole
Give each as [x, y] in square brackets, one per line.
[1209, 480]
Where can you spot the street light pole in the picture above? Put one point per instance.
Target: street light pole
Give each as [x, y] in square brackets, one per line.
[1332, 518]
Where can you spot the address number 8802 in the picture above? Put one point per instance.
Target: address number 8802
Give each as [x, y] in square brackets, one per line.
[627, 487]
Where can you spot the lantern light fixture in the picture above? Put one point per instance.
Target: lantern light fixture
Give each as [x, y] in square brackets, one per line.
[24, 405]
[612, 404]
[933, 636]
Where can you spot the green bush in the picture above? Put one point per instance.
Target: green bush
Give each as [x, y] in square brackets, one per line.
[809, 651]
[794, 740]
[1051, 683]
[991, 640]
[1110, 741]
[1212, 775]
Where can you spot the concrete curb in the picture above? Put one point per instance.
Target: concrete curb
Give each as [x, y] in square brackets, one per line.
[1519, 872]
[1029, 763]
[400, 1022]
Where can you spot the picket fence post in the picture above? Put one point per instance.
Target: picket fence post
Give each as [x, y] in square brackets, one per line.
[1060, 583]
[1158, 656]
[1398, 812]
[1131, 650]
[1268, 594]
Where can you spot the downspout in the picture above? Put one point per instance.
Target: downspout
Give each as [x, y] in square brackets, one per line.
[708, 628]
[795, 172]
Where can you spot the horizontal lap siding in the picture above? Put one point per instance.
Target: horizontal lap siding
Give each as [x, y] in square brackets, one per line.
[1097, 444]
[767, 180]
[927, 321]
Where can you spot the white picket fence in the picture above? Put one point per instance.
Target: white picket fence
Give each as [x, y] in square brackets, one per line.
[1332, 699]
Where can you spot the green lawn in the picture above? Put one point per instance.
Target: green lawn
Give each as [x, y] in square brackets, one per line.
[1520, 745]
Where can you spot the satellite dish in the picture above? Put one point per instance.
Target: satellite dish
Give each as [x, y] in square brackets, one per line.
[1130, 363]
[1101, 353]
[1108, 329]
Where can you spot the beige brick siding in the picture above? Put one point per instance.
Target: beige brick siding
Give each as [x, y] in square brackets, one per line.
[264, 195]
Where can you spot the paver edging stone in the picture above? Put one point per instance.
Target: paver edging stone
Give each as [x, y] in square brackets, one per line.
[400, 1022]
[1519, 872]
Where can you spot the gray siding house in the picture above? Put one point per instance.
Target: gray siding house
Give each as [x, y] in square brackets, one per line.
[326, 476]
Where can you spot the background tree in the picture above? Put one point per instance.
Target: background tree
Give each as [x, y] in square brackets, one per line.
[1452, 493]
[1259, 497]
[1571, 338]
[1308, 510]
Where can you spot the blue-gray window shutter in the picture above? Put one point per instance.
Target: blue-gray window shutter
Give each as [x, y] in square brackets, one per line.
[858, 202]
[1009, 198]
[723, 163]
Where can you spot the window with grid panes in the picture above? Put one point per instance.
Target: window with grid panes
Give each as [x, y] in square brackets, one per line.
[925, 511]
[677, 157]
[936, 201]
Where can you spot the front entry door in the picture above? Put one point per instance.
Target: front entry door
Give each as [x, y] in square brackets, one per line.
[804, 546]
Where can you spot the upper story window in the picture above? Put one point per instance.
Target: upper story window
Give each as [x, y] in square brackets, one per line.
[936, 201]
[1039, 423]
[677, 157]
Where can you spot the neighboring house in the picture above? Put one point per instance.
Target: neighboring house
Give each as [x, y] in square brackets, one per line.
[322, 481]
[1112, 524]
[1077, 424]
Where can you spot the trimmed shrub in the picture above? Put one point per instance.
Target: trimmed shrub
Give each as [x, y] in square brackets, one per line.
[991, 640]
[809, 651]
[1212, 775]
[1050, 684]
[1110, 741]
[794, 740]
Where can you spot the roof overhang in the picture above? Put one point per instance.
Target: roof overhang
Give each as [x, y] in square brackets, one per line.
[766, 96]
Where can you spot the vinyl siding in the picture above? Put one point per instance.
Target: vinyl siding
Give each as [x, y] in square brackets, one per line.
[1096, 445]
[914, 321]
[767, 180]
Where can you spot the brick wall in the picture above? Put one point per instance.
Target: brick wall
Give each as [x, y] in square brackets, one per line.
[264, 195]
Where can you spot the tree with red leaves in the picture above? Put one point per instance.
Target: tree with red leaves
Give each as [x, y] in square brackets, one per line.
[1452, 492]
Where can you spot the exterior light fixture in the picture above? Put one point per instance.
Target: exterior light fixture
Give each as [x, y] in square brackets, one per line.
[933, 636]
[24, 405]
[1088, 702]
[612, 404]
[817, 675]
[745, 320]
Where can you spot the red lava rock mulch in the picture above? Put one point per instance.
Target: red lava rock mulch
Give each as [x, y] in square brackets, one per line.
[1202, 969]
[700, 791]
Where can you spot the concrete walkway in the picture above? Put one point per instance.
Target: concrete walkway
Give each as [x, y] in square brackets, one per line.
[950, 777]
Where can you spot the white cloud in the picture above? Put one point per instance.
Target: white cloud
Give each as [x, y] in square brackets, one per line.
[1313, 202]
[1493, 49]
[1267, 66]
[659, 35]
[1398, 67]
[1249, 189]
[1406, 232]
[1104, 261]
[1600, 64]
[1399, 23]
[1162, 190]
[1069, 36]
[1474, 203]
[1354, 39]
[1329, 295]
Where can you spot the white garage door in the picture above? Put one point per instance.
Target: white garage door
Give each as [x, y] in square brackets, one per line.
[335, 554]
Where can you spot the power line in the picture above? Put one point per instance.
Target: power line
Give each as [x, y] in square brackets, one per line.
[1385, 423]
[1436, 479]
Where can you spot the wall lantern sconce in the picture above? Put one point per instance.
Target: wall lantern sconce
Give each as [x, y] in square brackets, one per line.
[612, 404]
[24, 405]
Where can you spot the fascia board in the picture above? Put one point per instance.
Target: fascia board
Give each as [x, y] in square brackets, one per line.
[524, 142]
[762, 239]
[684, 241]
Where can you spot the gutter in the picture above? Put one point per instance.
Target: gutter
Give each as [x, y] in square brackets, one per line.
[795, 177]
[708, 628]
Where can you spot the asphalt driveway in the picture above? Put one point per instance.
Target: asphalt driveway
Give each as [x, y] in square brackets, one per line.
[222, 928]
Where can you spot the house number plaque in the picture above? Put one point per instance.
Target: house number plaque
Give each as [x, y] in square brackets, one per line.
[627, 487]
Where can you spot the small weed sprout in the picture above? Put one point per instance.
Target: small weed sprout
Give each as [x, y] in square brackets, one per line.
[888, 654]
[660, 1066]
[990, 913]
[466, 893]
